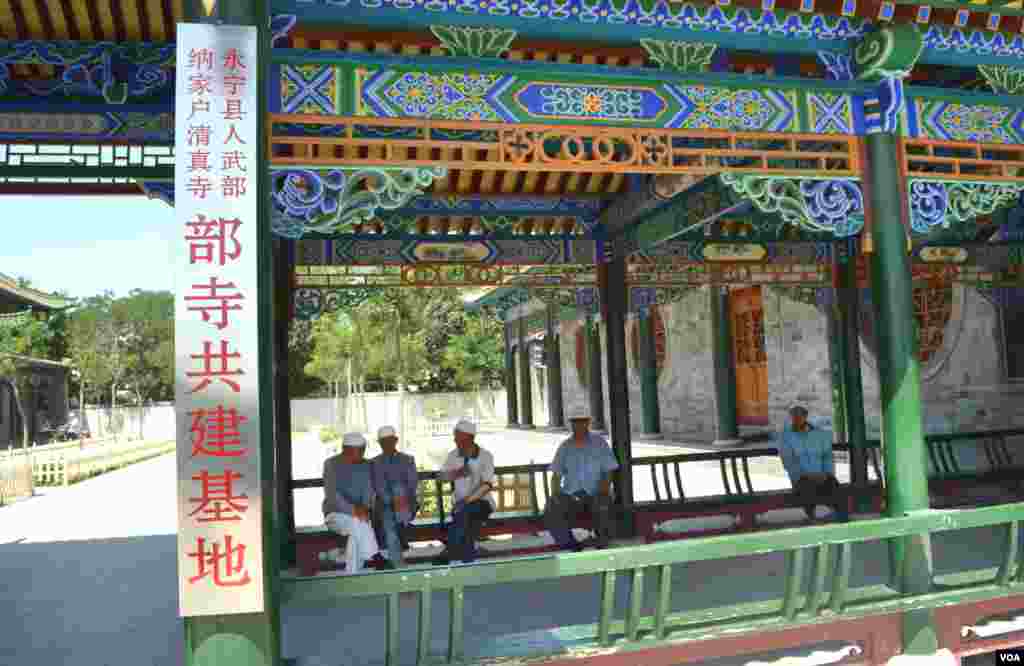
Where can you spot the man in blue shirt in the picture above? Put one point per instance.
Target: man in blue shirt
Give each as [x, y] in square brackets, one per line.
[581, 478]
[395, 480]
[806, 454]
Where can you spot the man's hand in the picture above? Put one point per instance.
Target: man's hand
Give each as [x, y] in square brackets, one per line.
[362, 513]
[399, 504]
[604, 488]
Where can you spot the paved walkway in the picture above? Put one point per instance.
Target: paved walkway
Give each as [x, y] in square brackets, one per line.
[90, 578]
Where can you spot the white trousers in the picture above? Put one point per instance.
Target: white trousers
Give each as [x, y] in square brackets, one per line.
[362, 542]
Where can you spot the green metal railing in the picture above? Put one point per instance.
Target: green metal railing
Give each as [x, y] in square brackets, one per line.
[829, 595]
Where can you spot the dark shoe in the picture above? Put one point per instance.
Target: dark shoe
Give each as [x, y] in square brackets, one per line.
[444, 559]
[379, 562]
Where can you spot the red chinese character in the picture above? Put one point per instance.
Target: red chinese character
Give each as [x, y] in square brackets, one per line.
[233, 132]
[200, 59]
[234, 84]
[208, 373]
[199, 135]
[234, 159]
[199, 105]
[234, 186]
[227, 566]
[210, 238]
[233, 60]
[200, 161]
[199, 186]
[233, 109]
[200, 85]
[222, 307]
[216, 432]
[218, 499]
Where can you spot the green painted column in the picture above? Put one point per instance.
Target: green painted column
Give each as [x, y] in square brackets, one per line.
[837, 367]
[900, 383]
[647, 344]
[251, 639]
[725, 374]
[593, 332]
[556, 412]
[848, 311]
[613, 307]
[283, 267]
[526, 388]
[511, 390]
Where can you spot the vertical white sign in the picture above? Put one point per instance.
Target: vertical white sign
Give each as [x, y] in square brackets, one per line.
[220, 553]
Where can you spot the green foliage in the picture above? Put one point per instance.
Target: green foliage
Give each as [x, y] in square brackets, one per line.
[328, 435]
[422, 337]
[300, 352]
[127, 343]
[476, 356]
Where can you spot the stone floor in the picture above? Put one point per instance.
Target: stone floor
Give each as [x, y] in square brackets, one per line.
[89, 576]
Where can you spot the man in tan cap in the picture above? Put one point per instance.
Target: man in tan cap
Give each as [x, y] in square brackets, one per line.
[471, 468]
[348, 498]
[395, 479]
[581, 478]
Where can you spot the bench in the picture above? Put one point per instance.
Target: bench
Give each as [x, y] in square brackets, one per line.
[672, 514]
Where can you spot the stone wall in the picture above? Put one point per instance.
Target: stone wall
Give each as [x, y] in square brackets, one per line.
[963, 383]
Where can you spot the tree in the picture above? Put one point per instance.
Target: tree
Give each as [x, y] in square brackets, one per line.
[475, 356]
[300, 352]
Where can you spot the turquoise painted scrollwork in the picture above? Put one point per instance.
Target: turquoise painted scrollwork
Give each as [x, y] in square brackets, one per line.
[823, 205]
[935, 204]
[328, 201]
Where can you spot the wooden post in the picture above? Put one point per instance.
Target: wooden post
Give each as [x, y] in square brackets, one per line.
[613, 302]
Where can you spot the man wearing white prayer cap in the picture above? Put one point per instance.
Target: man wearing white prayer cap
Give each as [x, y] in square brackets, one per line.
[581, 477]
[348, 496]
[471, 468]
[395, 479]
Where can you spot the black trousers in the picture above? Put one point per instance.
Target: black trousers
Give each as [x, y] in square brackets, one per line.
[811, 492]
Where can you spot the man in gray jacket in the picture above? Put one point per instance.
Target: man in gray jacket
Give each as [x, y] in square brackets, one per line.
[395, 479]
[348, 498]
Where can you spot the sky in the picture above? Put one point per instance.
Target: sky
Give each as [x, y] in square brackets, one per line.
[87, 245]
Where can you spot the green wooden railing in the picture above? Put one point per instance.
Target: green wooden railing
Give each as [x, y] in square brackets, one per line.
[829, 594]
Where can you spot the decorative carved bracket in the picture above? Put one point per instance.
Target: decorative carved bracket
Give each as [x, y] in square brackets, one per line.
[938, 204]
[311, 303]
[115, 72]
[474, 42]
[333, 200]
[160, 189]
[886, 57]
[1003, 80]
[642, 299]
[838, 65]
[280, 26]
[680, 56]
[823, 205]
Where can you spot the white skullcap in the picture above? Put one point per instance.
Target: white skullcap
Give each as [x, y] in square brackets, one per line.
[578, 413]
[385, 432]
[465, 426]
[354, 439]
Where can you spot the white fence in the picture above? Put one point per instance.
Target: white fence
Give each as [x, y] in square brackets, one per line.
[63, 465]
[418, 414]
[15, 475]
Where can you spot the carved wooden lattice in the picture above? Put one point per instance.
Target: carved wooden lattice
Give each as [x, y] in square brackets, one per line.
[748, 338]
[932, 309]
[311, 141]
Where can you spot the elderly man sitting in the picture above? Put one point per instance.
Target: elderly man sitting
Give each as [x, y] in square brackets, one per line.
[806, 454]
[348, 496]
[471, 467]
[395, 480]
[581, 478]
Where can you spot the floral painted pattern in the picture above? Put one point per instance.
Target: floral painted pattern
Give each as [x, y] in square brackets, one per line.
[443, 96]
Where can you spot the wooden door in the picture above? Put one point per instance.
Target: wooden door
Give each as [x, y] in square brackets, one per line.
[746, 316]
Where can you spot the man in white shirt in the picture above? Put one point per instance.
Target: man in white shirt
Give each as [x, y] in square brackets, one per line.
[471, 468]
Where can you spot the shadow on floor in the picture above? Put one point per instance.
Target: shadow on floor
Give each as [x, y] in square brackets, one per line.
[111, 602]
